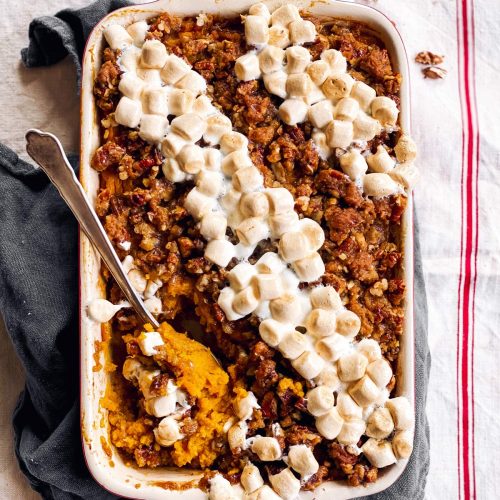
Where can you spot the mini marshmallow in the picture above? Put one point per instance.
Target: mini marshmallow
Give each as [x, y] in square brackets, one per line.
[298, 85]
[293, 246]
[256, 30]
[364, 94]
[213, 159]
[237, 435]
[198, 204]
[313, 232]
[293, 111]
[168, 432]
[337, 87]
[339, 134]
[260, 9]
[321, 323]
[190, 126]
[245, 302]
[263, 493]
[148, 342]
[380, 372]
[280, 200]
[254, 204]
[348, 408]
[381, 161]
[128, 112]
[192, 81]
[321, 114]
[402, 413]
[270, 263]
[406, 149]
[145, 380]
[220, 252]
[225, 302]
[230, 201]
[275, 83]
[325, 297]
[137, 280]
[130, 85]
[213, 226]
[302, 32]
[370, 349]
[154, 54]
[364, 391]
[241, 275]
[129, 59]
[279, 37]
[379, 424]
[402, 444]
[221, 489]
[217, 126]
[314, 96]
[161, 406]
[330, 424]
[251, 479]
[247, 179]
[180, 101]
[138, 32]
[332, 347]
[406, 174]
[131, 369]
[245, 406]
[379, 185]
[320, 400]
[252, 230]
[191, 158]
[318, 71]
[365, 127]
[117, 36]
[321, 145]
[234, 161]
[247, 67]
[151, 76]
[285, 484]
[347, 109]
[284, 15]
[310, 268]
[297, 60]
[272, 331]
[172, 144]
[283, 223]
[348, 324]
[210, 183]
[352, 367]
[379, 453]
[308, 365]
[232, 141]
[293, 344]
[266, 448]
[154, 101]
[174, 69]
[286, 309]
[269, 286]
[353, 164]
[153, 305]
[328, 377]
[203, 106]
[152, 127]
[385, 110]
[336, 61]
[351, 432]
[301, 459]
[271, 59]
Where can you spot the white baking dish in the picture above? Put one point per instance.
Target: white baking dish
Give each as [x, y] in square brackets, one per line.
[104, 462]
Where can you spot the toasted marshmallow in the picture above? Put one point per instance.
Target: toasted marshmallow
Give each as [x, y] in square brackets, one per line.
[130, 85]
[353, 164]
[251, 479]
[280, 200]
[385, 110]
[337, 87]
[263, 493]
[161, 406]
[245, 406]
[128, 112]
[406, 149]
[247, 67]
[284, 15]
[314, 96]
[379, 453]
[198, 204]
[352, 367]
[145, 380]
[348, 408]
[379, 424]
[330, 424]
[328, 377]
[154, 54]
[301, 459]
[308, 365]
[380, 372]
[232, 141]
[172, 144]
[269, 286]
[213, 226]
[321, 323]
[286, 309]
[192, 81]
[260, 9]
[318, 71]
[168, 432]
[321, 114]
[270, 263]
[180, 101]
[117, 36]
[152, 128]
[153, 305]
[241, 275]
[297, 59]
[365, 127]
[213, 159]
[247, 179]
[266, 448]
[321, 144]
[174, 69]
[225, 302]
[310, 268]
[279, 37]
[254, 204]
[364, 94]
[325, 297]
[283, 223]
[221, 489]
[336, 61]
[339, 134]
[203, 106]
[320, 400]
[293, 111]
[302, 32]
[220, 252]
[313, 232]
[364, 391]
[148, 342]
[217, 126]
[351, 432]
[298, 85]
[406, 174]
[285, 484]
[154, 101]
[348, 324]
[272, 331]
[402, 444]
[271, 59]
[275, 83]
[402, 413]
[370, 349]
[237, 435]
[190, 126]
[332, 347]
[293, 246]
[230, 201]
[293, 344]
[234, 161]
[379, 185]
[256, 30]
[191, 158]
[381, 161]
[245, 302]
[131, 369]
[347, 109]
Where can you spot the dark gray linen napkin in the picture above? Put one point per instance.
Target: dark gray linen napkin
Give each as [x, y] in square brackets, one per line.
[39, 304]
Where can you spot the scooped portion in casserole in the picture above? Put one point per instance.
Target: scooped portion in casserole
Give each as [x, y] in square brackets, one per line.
[253, 177]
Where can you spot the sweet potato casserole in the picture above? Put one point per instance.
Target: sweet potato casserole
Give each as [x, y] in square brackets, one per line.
[253, 178]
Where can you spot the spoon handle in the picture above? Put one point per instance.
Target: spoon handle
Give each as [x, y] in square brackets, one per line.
[47, 151]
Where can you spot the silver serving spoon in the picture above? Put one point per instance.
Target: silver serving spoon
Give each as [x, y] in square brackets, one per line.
[47, 151]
